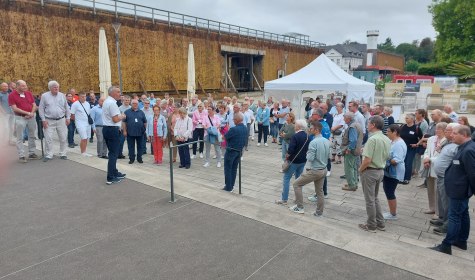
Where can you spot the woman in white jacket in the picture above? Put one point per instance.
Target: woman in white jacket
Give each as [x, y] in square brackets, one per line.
[434, 145]
[183, 131]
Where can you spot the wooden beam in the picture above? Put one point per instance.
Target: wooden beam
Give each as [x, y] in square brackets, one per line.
[142, 86]
[174, 86]
[201, 87]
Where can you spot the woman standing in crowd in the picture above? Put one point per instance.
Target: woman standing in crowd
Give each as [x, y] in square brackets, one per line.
[262, 119]
[212, 123]
[388, 112]
[171, 126]
[337, 133]
[274, 122]
[157, 133]
[421, 122]
[224, 125]
[198, 129]
[394, 170]
[286, 132]
[434, 145]
[464, 121]
[297, 156]
[183, 131]
[411, 134]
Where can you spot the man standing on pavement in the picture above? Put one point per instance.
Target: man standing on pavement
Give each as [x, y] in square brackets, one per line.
[72, 125]
[22, 103]
[97, 127]
[459, 186]
[375, 155]
[282, 114]
[55, 116]
[134, 126]
[148, 111]
[235, 139]
[112, 120]
[80, 112]
[93, 101]
[6, 114]
[315, 170]
[124, 107]
[351, 149]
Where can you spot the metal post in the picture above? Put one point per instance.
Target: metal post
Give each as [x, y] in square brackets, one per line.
[94, 7]
[240, 155]
[116, 26]
[153, 16]
[172, 192]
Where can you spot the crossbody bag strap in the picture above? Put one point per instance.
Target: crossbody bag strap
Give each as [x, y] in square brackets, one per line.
[300, 150]
[84, 108]
[210, 121]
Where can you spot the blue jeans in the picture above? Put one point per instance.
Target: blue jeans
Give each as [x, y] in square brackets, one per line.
[280, 138]
[295, 168]
[411, 153]
[231, 161]
[274, 129]
[71, 129]
[121, 144]
[285, 146]
[111, 136]
[458, 227]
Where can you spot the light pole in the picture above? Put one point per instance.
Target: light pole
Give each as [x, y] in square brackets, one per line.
[116, 26]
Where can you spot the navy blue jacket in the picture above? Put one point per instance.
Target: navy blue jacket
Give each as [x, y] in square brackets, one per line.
[329, 119]
[236, 137]
[135, 122]
[296, 143]
[460, 175]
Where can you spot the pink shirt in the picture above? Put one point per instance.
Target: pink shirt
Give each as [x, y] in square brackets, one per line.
[199, 118]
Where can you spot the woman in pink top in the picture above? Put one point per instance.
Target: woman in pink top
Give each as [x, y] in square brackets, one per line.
[212, 121]
[199, 116]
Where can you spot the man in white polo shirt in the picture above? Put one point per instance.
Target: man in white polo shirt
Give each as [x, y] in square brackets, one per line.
[112, 120]
[80, 111]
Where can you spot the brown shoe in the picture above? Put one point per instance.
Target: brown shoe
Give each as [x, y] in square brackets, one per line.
[348, 188]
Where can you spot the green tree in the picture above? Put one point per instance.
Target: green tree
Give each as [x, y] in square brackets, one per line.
[387, 45]
[454, 20]
[464, 70]
[426, 50]
[411, 66]
[410, 51]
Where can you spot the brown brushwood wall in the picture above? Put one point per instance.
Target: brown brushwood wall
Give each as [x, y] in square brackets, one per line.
[39, 44]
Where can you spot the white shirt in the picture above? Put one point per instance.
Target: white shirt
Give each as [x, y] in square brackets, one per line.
[80, 117]
[109, 110]
[339, 120]
[359, 118]
[249, 114]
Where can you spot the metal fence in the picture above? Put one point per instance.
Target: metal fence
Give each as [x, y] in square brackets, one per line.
[140, 12]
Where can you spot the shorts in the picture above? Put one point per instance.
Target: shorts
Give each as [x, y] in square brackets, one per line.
[84, 131]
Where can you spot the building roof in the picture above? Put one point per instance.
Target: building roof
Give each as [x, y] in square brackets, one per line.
[379, 68]
[348, 50]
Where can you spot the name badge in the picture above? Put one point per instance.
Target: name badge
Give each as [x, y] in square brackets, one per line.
[411, 132]
[456, 162]
[136, 120]
[22, 95]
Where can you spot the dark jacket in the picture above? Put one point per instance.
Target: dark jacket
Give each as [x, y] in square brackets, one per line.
[236, 137]
[460, 176]
[135, 122]
[296, 143]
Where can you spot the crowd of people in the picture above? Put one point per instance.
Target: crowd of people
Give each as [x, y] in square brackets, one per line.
[373, 148]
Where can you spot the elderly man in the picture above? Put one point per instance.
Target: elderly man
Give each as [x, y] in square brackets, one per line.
[55, 115]
[315, 170]
[112, 120]
[449, 110]
[193, 107]
[282, 114]
[337, 130]
[375, 155]
[133, 127]
[23, 106]
[351, 144]
[235, 139]
[97, 127]
[124, 107]
[459, 186]
[80, 112]
[148, 111]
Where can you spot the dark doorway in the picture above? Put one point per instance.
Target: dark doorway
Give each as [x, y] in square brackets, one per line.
[242, 71]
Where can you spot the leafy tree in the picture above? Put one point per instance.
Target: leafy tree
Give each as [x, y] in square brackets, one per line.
[454, 20]
[426, 50]
[432, 69]
[410, 51]
[387, 45]
[464, 70]
[412, 66]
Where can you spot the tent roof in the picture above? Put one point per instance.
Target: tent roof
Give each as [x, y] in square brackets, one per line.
[320, 74]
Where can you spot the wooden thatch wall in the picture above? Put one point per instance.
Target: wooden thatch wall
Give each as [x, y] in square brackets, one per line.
[38, 44]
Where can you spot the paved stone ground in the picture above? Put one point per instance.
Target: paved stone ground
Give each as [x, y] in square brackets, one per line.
[60, 222]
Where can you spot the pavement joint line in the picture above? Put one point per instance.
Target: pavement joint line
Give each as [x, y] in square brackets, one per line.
[267, 262]
[98, 240]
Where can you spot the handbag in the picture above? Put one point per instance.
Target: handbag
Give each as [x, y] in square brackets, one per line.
[337, 132]
[286, 164]
[89, 119]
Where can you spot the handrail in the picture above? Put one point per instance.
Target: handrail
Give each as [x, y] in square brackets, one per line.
[171, 18]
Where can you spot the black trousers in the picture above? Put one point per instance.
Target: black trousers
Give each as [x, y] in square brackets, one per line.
[198, 134]
[262, 129]
[131, 140]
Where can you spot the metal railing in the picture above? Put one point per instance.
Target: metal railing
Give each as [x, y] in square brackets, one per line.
[172, 189]
[140, 12]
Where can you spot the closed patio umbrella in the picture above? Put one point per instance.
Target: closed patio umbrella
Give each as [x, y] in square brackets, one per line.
[190, 90]
[104, 64]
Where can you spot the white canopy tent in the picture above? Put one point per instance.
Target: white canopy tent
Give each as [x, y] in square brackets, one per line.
[320, 75]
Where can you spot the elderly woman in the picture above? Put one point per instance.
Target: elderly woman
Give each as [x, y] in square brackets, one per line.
[213, 123]
[274, 122]
[157, 133]
[286, 132]
[464, 121]
[388, 112]
[337, 133]
[171, 126]
[262, 120]
[163, 108]
[183, 132]
[423, 126]
[411, 134]
[434, 145]
[198, 130]
[296, 155]
[224, 125]
[394, 170]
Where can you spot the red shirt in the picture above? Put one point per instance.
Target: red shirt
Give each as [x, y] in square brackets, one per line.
[24, 103]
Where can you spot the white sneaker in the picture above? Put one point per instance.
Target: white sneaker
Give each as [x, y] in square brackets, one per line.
[219, 164]
[265, 144]
[329, 173]
[242, 158]
[252, 138]
[201, 155]
[296, 209]
[214, 156]
[86, 155]
[193, 156]
[325, 196]
[389, 216]
[258, 144]
[312, 198]
[206, 164]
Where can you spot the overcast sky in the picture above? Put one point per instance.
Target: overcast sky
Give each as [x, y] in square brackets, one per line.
[329, 22]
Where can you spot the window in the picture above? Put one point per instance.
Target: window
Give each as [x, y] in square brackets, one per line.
[338, 61]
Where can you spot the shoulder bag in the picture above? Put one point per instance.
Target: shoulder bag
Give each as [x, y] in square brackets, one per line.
[89, 119]
[286, 164]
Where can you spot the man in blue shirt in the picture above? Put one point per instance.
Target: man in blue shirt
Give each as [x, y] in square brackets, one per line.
[235, 139]
[134, 126]
[351, 144]
[5, 111]
[459, 186]
[97, 126]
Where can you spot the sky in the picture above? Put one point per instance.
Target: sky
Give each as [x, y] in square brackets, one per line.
[328, 22]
